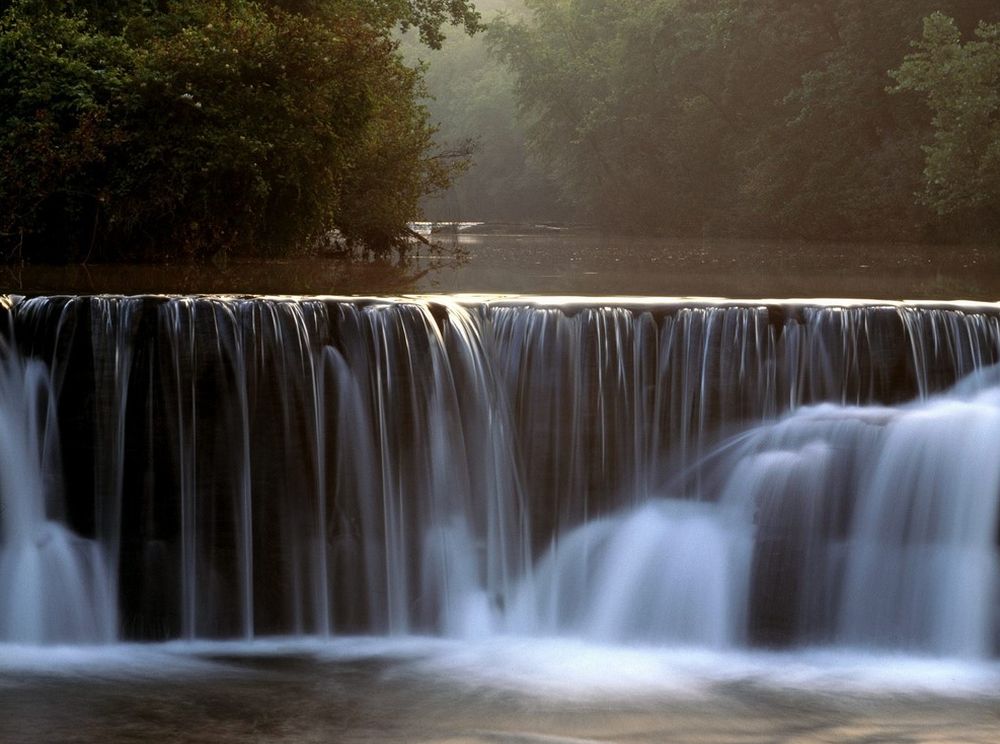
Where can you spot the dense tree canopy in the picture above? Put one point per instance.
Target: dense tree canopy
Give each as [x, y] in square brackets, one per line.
[152, 129]
[768, 117]
[962, 86]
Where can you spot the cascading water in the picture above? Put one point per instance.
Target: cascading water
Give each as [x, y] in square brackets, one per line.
[884, 521]
[655, 473]
[53, 584]
[669, 571]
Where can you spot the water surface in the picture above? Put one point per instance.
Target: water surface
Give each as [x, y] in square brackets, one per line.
[421, 690]
[569, 262]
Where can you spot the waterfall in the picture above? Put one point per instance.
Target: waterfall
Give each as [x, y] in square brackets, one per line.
[876, 526]
[54, 586]
[669, 571]
[693, 473]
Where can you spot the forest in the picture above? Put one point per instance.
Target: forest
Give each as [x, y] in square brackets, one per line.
[801, 119]
[165, 129]
[155, 129]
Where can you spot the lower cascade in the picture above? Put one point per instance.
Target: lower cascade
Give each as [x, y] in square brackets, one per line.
[52, 583]
[656, 473]
[668, 572]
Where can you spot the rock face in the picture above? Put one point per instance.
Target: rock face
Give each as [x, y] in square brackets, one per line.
[656, 472]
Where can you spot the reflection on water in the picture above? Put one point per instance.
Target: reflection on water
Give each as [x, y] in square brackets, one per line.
[591, 263]
[414, 690]
[569, 262]
[306, 276]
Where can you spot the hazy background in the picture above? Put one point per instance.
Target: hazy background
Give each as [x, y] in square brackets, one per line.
[779, 118]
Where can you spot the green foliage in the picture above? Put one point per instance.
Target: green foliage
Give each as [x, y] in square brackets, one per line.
[61, 88]
[194, 127]
[428, 17]
[961, 83]
[391, 171]
[743, 117]
[564, 88]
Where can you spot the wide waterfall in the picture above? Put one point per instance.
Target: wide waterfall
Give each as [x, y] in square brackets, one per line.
[630, 472]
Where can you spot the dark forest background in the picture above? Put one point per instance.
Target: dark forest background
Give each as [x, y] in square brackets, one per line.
[162, 129]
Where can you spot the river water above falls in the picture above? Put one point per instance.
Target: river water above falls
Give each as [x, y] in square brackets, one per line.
[650, 491]
[565, 262]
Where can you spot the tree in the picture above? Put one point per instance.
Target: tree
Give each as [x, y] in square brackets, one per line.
[961, 84]
[195, 127]
[60, 85]
[759, 117]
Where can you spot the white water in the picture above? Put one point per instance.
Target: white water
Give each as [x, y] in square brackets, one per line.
[895, 512]
[317, 468]
[921, 559]
[892, 516]
[554, 670]
[667, 573]
[53, 584]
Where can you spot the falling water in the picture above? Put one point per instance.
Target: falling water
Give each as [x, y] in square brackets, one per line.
[633, 472]
[53, 583]
[669, 571]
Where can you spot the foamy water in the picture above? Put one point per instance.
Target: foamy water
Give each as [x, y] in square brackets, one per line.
[556, 669]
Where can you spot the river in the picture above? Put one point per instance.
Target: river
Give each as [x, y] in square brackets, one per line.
[569, 262]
